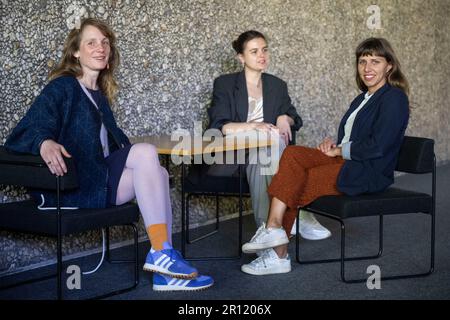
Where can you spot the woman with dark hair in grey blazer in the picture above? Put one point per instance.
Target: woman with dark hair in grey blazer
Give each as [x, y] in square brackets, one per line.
[254, 100]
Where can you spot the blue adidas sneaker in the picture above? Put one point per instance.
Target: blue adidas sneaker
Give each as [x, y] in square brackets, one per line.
[169, 261]
[166, 283]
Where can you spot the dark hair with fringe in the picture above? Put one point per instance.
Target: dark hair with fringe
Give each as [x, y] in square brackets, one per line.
[381, 47]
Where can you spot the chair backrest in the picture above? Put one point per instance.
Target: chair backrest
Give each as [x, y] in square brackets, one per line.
[416, 155]
[27, 170]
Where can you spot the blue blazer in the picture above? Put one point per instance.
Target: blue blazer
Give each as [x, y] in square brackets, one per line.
[64, 113]
[376, 137]
[230, 100]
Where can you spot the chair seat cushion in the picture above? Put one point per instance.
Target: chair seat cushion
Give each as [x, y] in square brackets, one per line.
[391, 201]
[25, 217]
[198, 181]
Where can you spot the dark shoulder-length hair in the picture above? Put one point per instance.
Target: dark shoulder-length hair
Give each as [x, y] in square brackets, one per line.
[381, 47]
[69, 65]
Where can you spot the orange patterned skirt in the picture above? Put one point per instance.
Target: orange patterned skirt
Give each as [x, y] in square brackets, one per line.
[304, 175]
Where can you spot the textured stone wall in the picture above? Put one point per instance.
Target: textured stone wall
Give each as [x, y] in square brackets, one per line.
[172, 50]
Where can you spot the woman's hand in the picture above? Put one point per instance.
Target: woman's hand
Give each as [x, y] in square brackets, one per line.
[263, 126]
[284, 123]
[326, 145]
[52, 153]
[334, 152]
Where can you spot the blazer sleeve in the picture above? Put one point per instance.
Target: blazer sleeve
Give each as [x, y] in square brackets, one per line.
[288, 109]
[220, 111]
[390, 123]
[42, 121]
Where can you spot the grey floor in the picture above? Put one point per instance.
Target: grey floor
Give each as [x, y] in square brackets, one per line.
[406, 248]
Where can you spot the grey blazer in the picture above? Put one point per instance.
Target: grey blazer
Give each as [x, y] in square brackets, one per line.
[230, 104]
[230, 101]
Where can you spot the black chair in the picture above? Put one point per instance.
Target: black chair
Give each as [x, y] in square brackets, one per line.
[416, 157]
[23, 216]
[199, 183]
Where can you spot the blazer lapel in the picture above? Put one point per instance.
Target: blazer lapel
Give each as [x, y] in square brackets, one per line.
[372, 100]
[241, 97]
[362, 113]
[268, 102]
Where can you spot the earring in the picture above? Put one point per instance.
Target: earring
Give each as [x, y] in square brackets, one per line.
[107, 66]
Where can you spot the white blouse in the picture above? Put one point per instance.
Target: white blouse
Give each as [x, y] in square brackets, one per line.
[255, 110]
[351, 119]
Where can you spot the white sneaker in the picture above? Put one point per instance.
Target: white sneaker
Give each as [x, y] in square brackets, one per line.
[265, 238]
[310, 228]
[267, 263]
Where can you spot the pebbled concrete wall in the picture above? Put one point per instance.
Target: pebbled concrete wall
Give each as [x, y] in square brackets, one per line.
[172, 50]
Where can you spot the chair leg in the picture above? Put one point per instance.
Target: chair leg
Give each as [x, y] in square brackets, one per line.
[187, 219]
[432, 240]
[58, 275]
[343, 259]
[216, 228]
[59, 263]
[217, 211]
[241, 209]
[405, 276]
[184, 225]
[59, 266]
[341, 222]
[108, 253]
[240, 222]
[135, 261]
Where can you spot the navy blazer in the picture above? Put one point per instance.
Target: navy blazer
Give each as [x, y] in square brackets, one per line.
[230, 100]
[64, 113]
[376, 137]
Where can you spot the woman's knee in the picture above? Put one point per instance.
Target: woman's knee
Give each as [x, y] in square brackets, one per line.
[297, 151]
[143, 151]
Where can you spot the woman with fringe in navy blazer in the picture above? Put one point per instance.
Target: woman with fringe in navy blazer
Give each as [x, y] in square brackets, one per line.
[362, 160]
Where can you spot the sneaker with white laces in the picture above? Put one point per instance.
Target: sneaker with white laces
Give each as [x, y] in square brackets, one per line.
[268, 263]
[310, 228]
[169, 261]
[265, 238]
[166, 283]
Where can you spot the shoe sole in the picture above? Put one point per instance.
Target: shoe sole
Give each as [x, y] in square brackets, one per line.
[255, 247]
[157, 287]
[152, 268]
[265, 272]
[314, 237]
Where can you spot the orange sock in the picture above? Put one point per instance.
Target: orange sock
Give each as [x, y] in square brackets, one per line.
[157, 233]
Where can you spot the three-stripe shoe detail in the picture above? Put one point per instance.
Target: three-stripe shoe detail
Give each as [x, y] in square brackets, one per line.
[164, 262]
[179, 282]
[169, 261]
